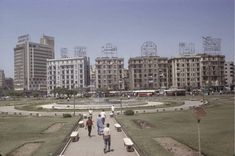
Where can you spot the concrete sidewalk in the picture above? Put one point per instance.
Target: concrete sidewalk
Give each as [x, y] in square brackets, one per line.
[93, 146]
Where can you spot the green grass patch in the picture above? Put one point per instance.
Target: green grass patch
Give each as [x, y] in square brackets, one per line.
[16, 131]
[217, 128]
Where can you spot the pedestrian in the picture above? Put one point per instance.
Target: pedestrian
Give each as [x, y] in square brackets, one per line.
[103, 116]
[89, 124]
[107, 138]
[90, 112]
[112, 109]
[100, 125]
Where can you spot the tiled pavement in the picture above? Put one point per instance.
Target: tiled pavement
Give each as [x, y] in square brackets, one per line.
[93, 146]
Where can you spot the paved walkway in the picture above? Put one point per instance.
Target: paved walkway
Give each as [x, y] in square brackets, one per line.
[93, 146]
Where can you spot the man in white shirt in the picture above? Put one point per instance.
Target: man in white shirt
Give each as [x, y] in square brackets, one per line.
[107, 138]
[103, 115]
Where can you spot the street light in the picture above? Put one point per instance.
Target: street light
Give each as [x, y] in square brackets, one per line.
[73, 99]
[120, 95]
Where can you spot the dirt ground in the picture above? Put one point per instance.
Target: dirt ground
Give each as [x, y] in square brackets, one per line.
[175, 147]
[143, 124]
[27, 149]
[54, 127]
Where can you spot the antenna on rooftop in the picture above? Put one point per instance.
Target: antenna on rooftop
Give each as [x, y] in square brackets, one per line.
[149, 48]
[109, 50]
[79, 51]
[64, 53]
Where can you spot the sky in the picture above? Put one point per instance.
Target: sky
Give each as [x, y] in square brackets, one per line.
[127, 24]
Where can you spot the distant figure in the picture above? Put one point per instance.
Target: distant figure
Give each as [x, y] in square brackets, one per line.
[107, 138]
[100, 125]
[90, 112]
[220, 92]
[128, 97]
[103, 116]
[89, 124]
[112, 109]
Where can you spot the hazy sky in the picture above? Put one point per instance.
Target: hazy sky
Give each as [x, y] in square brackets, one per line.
[127, 24]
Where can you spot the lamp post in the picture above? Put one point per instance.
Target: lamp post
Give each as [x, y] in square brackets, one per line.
[199, 112]
[120, 82]
[73, 99]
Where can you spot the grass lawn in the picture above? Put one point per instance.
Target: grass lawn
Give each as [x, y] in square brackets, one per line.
[15, 131]
[217, 129]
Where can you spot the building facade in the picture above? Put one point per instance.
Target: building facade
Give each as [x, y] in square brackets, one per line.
[70, 73]
[2, 79]
[92, 78]
[212, 71]
[197, 71]
[185, 72]
[9, 83]
[229, 70]
[109, 73]
[148, 72]
[30, 63]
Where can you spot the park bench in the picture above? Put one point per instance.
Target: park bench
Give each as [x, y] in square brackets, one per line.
[81, 124]
[118, 127]
[74, 136]
[128, 144]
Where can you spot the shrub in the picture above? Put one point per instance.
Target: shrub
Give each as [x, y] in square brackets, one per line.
[67, 115]
[129, 112]
[39, 108]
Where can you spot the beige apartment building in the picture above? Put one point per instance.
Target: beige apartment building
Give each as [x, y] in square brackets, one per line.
[197, 71]
[2, 79]
[212, 71]
[148, 72]
[109, 73]
[30, 60]
[185, 72]
[229, 70]
[70, 73]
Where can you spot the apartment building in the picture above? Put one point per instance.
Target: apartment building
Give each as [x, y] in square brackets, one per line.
[2, 79]
[70, 73]
[30, 63]
[229, 70]
[197, 71]
[148, 72]
[212, 71]
[92, 78]
[184, 72]
[109, 73]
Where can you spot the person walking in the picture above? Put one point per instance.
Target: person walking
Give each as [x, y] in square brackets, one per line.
[112, 109]
[100, 125]
[107, 138]
[103, 116]
[90, 112]
[89, 124]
